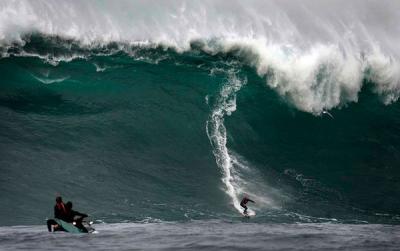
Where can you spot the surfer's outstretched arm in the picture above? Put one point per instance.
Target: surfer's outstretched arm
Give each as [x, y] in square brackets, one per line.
[252, 201]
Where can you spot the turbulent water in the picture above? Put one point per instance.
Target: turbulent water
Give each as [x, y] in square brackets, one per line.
[208, 235]
[148, 111]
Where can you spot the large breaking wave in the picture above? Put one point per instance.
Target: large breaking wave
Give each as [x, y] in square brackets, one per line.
[315, 55]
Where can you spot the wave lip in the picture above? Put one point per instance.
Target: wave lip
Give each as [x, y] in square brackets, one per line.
[312, 80]
[315, 60]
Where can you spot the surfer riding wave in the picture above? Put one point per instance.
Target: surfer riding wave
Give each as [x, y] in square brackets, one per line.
[243, 203]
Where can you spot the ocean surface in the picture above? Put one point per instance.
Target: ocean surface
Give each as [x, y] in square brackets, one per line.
[207, 235]
[156, 118]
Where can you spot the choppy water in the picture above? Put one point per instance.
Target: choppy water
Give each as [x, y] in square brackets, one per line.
[171, 112]
[208, 235]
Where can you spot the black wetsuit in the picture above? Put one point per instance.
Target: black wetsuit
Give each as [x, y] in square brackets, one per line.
[244, 202]
[69, 217]
[72, 214]
[59, 213]
[72, 218]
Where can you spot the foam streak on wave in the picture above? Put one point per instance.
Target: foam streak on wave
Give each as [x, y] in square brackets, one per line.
[216, 131]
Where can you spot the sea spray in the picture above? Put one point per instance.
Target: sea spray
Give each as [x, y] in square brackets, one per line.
[216, 131]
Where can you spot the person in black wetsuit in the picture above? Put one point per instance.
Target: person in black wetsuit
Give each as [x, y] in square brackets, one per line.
[74, 217]
[244, 202]
[60, 212]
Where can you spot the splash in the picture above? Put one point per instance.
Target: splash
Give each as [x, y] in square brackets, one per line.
[216, 131]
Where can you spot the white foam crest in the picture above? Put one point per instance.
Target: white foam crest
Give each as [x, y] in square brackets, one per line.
[321, 77]
[314, 53]
[49, 58]
[176, 23]
[313, 80]
[385, 72]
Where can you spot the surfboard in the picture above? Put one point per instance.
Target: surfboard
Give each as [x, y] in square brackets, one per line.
[70, 228]
[249, 214]
[246, 216]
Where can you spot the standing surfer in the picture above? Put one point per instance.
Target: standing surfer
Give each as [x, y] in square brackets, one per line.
[244, 202]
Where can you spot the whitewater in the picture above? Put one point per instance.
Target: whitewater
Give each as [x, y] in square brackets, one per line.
[317, 53]
[156, 118]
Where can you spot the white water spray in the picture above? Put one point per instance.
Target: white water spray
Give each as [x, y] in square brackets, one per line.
[315, 54]
[216, 131]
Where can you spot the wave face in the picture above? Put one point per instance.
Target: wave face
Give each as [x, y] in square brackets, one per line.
[148, 111]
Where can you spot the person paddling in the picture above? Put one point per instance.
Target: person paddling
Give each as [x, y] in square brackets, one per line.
[244, 202]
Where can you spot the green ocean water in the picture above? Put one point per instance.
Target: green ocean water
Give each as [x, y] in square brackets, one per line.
[131, 136]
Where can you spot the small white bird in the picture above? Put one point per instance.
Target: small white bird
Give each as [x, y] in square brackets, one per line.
[326, 112]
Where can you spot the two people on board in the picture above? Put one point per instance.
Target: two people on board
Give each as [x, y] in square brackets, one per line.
[64, 212]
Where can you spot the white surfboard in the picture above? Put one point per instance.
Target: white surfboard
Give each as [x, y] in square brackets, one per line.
[250, 213]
